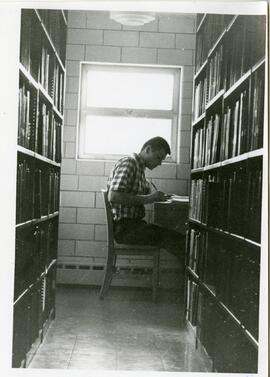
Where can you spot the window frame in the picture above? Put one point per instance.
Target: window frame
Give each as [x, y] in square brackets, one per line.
[84, 110]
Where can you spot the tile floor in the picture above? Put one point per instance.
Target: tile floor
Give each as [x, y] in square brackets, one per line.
[125, 331]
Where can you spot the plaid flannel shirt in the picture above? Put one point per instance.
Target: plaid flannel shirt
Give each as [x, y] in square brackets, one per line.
[128, 175]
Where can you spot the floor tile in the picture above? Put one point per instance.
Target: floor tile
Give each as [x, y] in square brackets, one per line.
[125, 331]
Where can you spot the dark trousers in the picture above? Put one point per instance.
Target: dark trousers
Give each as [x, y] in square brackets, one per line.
[141, 233]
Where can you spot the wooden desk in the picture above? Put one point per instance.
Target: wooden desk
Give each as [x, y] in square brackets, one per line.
[172, 214]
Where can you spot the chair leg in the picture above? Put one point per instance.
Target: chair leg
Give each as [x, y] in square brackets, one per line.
[155, 281]
[110, 263]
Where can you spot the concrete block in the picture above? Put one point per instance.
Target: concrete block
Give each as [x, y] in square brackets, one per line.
[90, 167]
[108, 167]
[172, 186]
[91, 248]
[184, 139]
[186, 41]
[157, 40]
[85, 36]
[69, 182]
[139, 55]
[66, 247]
[71, 101]
[69, 134]
[72, 85]
[72, 68]
[103, 54]
[187, 89]
[184, 155]
[91, 216]
[76, 19]
[150, 26]
[188, 73]
[68, 166]
[186, 106]
[77, 199]
[176, 23]
[183, 171]
[166, 170]
[121, 38]
[185, 122]
[92, 183]
[76, 232]
[101, 20]
[67, 215]
[70, 118]
[100, 233]
[75, 52]
[99, 203]
[175, 57]
[70, 150]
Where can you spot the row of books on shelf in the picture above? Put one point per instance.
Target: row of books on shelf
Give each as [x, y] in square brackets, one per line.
[42, 133]
[208, 34]
[243, 45]
[229, 200]
[228, 347]
[231, 271]
[200, 96]
[238, 131]
[30, 313]
[51, 77]
[39, 59]
[37, 191]
[215, 73]
[54, 23]
[49, 134]
[246, 46]
[36, 248]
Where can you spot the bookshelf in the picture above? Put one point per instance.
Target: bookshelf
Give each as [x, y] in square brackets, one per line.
[224, 232]
[40, 121]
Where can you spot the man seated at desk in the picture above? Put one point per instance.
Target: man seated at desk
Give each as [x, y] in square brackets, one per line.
[129, 191]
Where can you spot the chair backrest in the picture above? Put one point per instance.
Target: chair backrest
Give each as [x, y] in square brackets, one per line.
[109, 218]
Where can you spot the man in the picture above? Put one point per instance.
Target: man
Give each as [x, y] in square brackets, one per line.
[129, 191]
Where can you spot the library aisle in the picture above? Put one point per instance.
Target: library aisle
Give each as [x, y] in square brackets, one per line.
[126, 331]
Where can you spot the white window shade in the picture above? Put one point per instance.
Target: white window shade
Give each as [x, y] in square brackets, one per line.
[122, 106]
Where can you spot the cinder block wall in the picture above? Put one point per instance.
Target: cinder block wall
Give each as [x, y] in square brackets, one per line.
[92, 36]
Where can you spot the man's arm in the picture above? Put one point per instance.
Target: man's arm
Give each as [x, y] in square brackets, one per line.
[128, 199]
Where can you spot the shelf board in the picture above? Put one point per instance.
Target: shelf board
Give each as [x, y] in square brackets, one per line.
[215, 99]
[53, 262]
[232, 23]
[60, 116]
[45, 94]
[224, 232]
[37, 221]
[237, 84]
[199, 119]
[233, 160]
[212, 166]
[258, 65]
[50, 41]
[64, 16]
[217, 43]
[36, 155]
[28, 76]
[197, 170]
[202, 67]
[201, 22]
[230, 313]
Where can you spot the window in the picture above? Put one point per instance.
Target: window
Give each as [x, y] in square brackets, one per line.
[122, 106]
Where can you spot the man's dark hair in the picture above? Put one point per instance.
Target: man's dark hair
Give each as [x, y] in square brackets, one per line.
[157, 143]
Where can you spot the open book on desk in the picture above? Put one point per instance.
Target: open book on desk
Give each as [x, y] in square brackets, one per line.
[178, 198]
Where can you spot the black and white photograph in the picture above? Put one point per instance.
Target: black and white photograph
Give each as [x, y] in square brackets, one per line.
[135, 188]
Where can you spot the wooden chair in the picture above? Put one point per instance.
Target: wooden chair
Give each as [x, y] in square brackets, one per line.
[114, 249]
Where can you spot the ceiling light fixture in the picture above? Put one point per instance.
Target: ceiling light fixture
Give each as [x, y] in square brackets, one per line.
[132, 18]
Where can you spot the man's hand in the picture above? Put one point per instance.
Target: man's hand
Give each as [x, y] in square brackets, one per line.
[158, 196]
